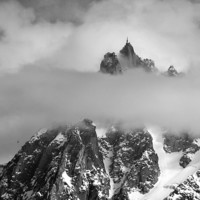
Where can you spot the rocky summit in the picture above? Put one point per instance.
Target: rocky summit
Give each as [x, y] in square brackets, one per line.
[64, 163]
[126, 59]
[110, 64]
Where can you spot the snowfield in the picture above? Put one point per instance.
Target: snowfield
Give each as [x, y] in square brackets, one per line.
[171, 172]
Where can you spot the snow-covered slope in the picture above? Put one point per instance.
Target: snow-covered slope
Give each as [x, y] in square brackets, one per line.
[189, 189]
[172, 174]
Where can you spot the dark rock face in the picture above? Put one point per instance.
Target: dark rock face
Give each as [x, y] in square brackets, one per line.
[133, 161]
[1, 169]
[110, 64]
[172, 71]
[129, 52]
[133, 60]
[64, 163]
[173, 143]
[184, 143]
[188, 190]
[72, 163]
[121, 195]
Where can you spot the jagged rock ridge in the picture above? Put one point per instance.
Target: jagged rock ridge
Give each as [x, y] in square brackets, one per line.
[70, 163]
[64, 163]
[110, 64]
[127, 59]
[132, 60]
[132, 163]
[172, 71]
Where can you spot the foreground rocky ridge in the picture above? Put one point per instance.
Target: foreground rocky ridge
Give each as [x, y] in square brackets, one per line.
[70, 163]
[64, 163]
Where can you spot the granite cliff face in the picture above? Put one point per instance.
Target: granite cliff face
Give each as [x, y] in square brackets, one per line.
[1, 169]
[127, 59]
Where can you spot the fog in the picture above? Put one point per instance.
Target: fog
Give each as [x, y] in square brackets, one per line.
[57, 33]
[34, 98]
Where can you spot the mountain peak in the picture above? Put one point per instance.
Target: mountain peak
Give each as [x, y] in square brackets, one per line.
[110, 64]
[172, 71]
[127, 50]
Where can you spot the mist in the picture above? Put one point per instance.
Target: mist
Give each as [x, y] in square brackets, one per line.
[37, 97]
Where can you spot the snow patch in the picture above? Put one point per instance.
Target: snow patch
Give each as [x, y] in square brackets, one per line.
[101, 132]
[60, 137]
[67, 179]
[41, 131]
[37, 135]
[172, 173]
[197, 141]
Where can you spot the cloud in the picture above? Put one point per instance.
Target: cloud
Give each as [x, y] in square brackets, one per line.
[35, 31]
[60, 10]
[23, 41]
[36, 98]
[194, 1]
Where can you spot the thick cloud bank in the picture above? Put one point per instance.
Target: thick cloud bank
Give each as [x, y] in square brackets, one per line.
[35, 98]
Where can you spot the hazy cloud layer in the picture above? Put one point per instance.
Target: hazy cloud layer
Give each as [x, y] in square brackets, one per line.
[59, 10]
[35, 98]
